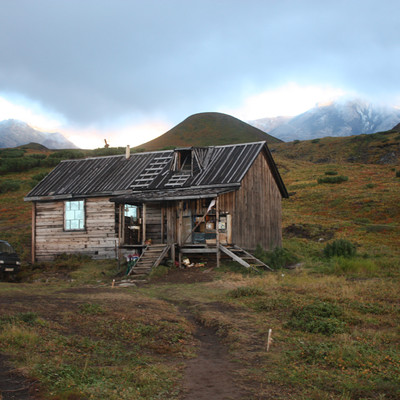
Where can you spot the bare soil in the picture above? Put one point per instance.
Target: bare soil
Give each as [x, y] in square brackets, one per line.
[210, 375]
[13, 386]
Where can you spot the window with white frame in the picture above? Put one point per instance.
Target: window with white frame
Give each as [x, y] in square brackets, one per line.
[74, 215]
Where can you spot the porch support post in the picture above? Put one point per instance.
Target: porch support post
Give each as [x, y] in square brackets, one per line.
[33, 251]
[217, 230]
[120, 223]
[162, 223]
[180, 222]
[122, 216]
[173, 253]
[144, 223]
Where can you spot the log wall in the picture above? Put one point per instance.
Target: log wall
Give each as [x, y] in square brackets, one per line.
[97, 240]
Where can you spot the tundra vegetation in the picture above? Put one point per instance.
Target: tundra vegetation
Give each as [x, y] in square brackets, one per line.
[335, 317]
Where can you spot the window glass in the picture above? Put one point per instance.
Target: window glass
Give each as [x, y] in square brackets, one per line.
[130, 211]
[74, 215]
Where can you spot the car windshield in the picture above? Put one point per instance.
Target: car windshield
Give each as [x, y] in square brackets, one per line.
[6, 248]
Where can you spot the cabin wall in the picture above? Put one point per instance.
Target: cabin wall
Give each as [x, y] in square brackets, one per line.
[153, 222]
[98, 240]
[255, 208]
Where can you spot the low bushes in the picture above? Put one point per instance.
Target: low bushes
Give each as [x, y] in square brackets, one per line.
[9, 186]
[318, 317]
[333, 179]
[339, 248]
[277, 258]
[245, 291]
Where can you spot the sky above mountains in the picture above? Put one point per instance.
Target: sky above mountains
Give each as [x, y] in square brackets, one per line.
[127, 71]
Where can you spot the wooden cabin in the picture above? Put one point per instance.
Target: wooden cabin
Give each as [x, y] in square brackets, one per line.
[187, 200]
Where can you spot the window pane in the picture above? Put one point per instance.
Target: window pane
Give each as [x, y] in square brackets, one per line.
[130, 211]
[74, 205]
[74, 224]
[69, 215]
[67, 224]
[79, 214]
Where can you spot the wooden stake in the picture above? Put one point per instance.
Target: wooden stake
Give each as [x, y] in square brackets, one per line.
[269, 341]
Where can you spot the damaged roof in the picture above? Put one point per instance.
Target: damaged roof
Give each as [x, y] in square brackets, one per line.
[189, 170]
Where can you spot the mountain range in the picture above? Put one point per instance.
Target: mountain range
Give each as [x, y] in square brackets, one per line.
[15, 133]
[352, 117]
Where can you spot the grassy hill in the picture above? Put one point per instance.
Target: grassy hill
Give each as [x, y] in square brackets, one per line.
[208, 129]
[376, 148]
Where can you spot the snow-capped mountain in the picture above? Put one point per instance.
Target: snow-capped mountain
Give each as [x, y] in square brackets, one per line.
[336, 119]
[15, 133]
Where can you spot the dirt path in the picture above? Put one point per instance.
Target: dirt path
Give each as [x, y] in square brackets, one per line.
[210, 375]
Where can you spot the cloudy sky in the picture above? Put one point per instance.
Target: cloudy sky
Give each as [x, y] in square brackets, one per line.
[128, 70]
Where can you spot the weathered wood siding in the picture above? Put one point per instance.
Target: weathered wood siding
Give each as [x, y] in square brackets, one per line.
[153, 222]
[255, 208]
[97, 240]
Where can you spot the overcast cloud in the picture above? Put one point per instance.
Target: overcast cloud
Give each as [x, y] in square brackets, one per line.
[107, 64]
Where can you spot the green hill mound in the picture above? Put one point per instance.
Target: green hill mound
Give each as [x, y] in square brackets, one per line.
[33, 146]
[208, 129]
[374, 148]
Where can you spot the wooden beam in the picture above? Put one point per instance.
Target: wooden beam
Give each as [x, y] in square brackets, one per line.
[235, 257]
[144, 223]
[122, 215]
[120, 241]
[217, 228]
[33, 250]
[202, 250]
[180, 222]
[162, 223]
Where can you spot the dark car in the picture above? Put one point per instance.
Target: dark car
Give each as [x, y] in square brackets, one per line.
[9, 261]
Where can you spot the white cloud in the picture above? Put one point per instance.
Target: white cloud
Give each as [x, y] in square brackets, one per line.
[132, 134]
[288, 100]
[29, 112]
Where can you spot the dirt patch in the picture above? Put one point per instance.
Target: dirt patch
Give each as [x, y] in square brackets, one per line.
[188, 275]
[13, 386]
[309, 231]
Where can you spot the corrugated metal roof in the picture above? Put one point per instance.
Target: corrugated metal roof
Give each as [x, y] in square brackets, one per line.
[220, 165]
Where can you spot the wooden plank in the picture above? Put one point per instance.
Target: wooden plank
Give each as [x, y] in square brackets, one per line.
[217, 228]
[144, 223]
[33, 242]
